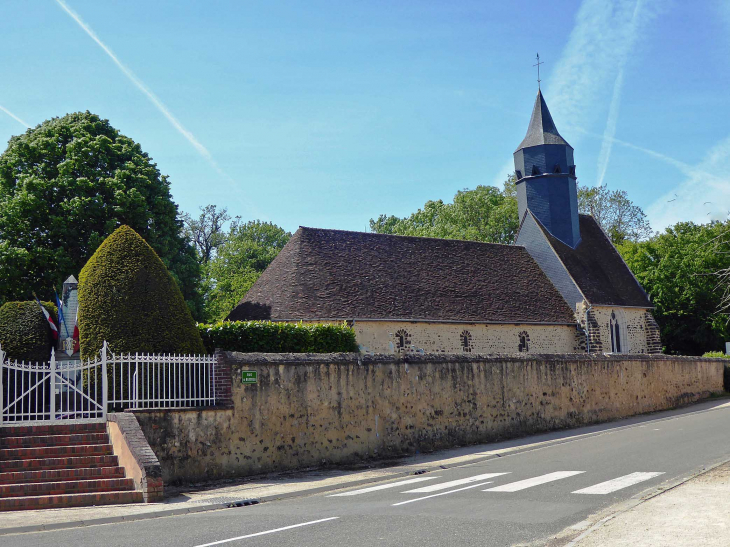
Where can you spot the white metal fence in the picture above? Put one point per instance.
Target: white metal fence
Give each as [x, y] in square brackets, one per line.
[85, 390]
[139, 380]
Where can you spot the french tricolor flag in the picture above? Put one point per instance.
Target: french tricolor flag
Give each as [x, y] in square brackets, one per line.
[54, 329]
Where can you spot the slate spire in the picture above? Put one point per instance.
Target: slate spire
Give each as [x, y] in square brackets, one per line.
[542, 128]
[545, 172]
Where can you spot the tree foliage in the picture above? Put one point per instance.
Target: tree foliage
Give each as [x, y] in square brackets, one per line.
[128, 298]
[206, 232]
[678, 268]
[24, 331]
[248, 249]
[615, 213]
[483, 214]
[64, 187]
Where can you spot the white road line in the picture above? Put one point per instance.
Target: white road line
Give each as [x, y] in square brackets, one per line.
[383, 486]
[442, 493]
[451, 484]
[267, 532]
[618, 483]
[535, 481]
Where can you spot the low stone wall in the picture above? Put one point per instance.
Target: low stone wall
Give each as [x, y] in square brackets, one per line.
[312, 410]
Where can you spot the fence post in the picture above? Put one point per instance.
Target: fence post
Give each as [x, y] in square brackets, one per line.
[104, 382]
[53, 385]
[2, 375]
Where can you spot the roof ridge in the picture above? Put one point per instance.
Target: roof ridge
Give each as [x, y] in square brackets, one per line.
[412, 237]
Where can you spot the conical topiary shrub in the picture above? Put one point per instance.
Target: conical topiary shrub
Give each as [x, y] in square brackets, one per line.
[128, 298]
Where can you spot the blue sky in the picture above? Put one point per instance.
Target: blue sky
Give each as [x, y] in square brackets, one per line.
[329, 113]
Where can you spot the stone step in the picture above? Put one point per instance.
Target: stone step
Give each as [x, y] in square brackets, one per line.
[65, 487]
[57, 475]
[58, 463]
[51, 429]
[54, 452]
[36, 441]
[70, 500]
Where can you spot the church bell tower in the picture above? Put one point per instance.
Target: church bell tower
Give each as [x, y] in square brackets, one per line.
[546, 183]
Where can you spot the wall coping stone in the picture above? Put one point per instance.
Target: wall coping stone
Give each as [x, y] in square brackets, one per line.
[424, 358]
[137, 443]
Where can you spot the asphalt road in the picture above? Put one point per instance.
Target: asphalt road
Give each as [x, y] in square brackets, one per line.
[524, 497]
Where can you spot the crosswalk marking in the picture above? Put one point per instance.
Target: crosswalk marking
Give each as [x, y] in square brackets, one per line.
[442, 493]
[535, 481]
[617, 483]
[451, 484]
[383, 486]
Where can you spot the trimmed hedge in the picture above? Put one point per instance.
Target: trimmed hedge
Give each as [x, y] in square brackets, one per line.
[726, 376]
[128, 298]
[269, 337]
[24, 331]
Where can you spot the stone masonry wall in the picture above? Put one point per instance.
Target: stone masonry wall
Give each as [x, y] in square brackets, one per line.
[383, 337]
[313, 410]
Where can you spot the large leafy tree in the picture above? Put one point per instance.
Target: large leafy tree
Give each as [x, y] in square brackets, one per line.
[248, 249]
[64, 187]
[678, 268]
[206, 232]
[615, 213]
[483, 214]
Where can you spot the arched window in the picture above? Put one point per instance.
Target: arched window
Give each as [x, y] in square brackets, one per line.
[535, 170]
[615, 333]
[524, 345]
[518, 174]
[557, 168]
[465, 337]
[402, 340]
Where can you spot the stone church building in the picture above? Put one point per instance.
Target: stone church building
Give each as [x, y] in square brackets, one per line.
[561, 288]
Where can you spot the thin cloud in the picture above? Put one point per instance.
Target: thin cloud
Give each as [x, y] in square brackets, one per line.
[600, 45]
[202, 150]
[703, 196]
[16, 118]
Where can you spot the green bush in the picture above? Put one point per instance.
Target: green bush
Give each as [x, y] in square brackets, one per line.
[726, 376]
[24, 331]
[128, 298]
[268, 337]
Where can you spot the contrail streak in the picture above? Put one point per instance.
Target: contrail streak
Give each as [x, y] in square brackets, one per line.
[202, 150]
[607, 145]
[13, 116]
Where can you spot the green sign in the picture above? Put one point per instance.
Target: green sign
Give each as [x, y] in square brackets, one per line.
[249, 377]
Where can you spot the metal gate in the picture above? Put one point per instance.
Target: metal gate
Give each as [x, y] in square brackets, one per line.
[58, 391]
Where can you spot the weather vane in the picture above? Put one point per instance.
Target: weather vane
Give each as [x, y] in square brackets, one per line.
[538, 70]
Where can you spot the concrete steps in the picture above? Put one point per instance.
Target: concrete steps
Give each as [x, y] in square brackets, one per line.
[68, 465]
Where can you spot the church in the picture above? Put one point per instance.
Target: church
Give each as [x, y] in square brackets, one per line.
[562, 287]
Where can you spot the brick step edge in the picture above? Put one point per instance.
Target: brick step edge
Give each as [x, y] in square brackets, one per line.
[58, 463]
[40, 441]
[59, 429]
[70, 500]
[65, 487]
[54, 452]
[59, 475]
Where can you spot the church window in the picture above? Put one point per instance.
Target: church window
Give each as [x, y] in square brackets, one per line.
[615, 334]
[465, 337]
[402, 340]
[524, 342]
[571, 170]
[535, 170]
[557, 169]
[518, 174]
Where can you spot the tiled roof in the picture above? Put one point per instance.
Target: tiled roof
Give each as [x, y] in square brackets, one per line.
[542, 128]
[332, 274]
[598, 269]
